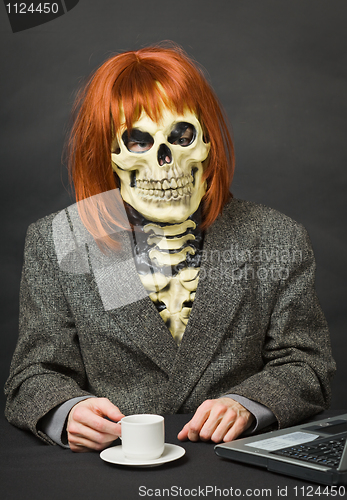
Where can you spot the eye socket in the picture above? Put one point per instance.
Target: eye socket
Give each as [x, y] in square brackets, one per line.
[138, 142]
[139, 147]
[182, 134]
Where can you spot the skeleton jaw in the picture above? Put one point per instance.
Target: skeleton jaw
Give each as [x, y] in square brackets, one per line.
[173, 189]
[173, 198]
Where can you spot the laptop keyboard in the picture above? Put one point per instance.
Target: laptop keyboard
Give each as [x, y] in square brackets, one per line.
[327, 452]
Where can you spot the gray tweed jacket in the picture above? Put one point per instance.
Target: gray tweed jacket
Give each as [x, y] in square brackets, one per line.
[256, 328]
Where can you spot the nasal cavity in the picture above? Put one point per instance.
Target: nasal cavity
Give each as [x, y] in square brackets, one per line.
[164, 155]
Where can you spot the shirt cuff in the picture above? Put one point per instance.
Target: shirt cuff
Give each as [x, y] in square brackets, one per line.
[262, 414]
[54, 423]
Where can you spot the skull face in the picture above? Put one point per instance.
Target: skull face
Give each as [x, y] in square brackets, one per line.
[160, 166]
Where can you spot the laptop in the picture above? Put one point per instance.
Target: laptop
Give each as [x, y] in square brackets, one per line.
[315, 451]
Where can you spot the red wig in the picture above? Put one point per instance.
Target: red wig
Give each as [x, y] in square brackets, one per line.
[123, 87]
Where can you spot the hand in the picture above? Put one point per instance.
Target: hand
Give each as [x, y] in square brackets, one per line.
[217, 420]
[87, 429]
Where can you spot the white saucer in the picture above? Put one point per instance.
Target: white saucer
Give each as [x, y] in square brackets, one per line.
[114, 455]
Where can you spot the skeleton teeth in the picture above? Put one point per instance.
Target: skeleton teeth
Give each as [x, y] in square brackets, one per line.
[174, 183]
[172, 188]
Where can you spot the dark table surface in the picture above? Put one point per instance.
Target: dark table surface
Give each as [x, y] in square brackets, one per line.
[32, 470]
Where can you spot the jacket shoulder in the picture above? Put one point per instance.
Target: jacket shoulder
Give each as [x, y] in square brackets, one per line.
[259, 216]
[43, 225]
[255, 222]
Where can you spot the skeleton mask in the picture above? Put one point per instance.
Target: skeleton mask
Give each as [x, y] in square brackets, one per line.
[160, 166]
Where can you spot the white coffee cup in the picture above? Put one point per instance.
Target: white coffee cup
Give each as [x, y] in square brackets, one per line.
[143, 436]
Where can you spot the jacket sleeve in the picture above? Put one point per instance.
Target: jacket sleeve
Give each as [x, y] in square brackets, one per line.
[47, 367]
[298, 365]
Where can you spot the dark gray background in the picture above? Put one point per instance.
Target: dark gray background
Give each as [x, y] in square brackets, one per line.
[279, 68]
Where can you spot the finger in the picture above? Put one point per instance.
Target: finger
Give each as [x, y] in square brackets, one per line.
[78, 448]
[241, 424]
[194, 429]
[81, 444]
[216, 428]
[183, 434]
[104, 407]
[236, 419]
[89, 418]
[198, 421]
[77, 431]
[224, 426]
[219, 420]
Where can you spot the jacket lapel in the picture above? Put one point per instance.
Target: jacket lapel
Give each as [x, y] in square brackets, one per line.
[126, 300]
[148, 331]
[117, 283]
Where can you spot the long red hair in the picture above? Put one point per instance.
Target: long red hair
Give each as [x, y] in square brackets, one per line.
[123, 87]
